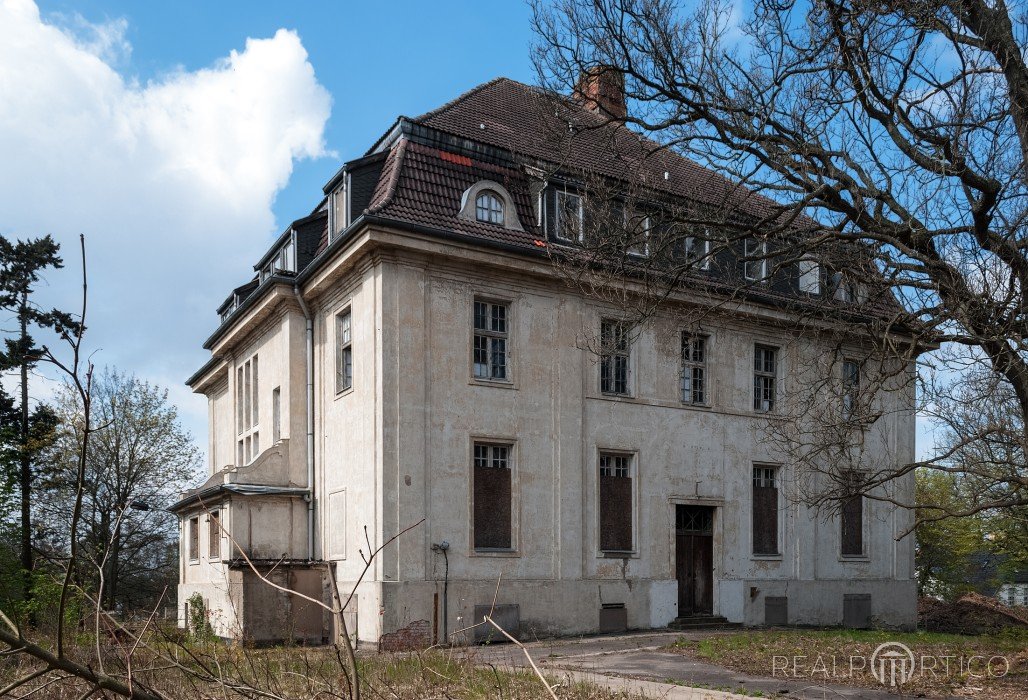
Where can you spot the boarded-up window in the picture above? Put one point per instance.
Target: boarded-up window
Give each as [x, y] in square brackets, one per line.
[765, 510]
[193, 534]
[492, 496]
[853, 521]
[214, 536]
[615, 502]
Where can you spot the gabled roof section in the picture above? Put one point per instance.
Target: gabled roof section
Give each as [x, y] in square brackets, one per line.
[532, 123]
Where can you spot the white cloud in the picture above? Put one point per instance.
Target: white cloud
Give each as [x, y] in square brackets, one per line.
[171, 181]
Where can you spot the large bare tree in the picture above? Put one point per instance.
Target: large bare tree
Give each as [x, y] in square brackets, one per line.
[883, 142]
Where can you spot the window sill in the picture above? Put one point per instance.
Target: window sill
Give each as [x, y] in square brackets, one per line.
[618, 554]
[344, 392]
[698, 406]
[854, 558]
[612, 395]
[194, 562]
[495, 383]
[502, 553]
[766, 557]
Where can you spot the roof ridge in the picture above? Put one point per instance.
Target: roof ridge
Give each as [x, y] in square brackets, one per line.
[464, 95]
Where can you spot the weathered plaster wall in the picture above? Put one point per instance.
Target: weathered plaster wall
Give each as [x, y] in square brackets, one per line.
[557, 420]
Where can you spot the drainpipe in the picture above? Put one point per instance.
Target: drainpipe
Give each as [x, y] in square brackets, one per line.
[310, 420]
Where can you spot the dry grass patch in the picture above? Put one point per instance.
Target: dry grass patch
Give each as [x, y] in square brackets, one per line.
[214, 670]
[843, 657]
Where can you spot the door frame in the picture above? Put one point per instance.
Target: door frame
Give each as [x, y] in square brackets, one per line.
[717, 556]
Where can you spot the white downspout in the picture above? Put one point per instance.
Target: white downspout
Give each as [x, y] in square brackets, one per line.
[309, 362]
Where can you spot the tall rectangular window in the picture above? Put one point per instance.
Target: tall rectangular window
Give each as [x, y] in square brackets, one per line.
[247, 414]
[615, 502]
[852, 517]
[492, 496]
[240, 423]
[569, 217]
[755, 264]
[193, 538]
[276, 415]
[614, 357]
[490, 341]
[694, 369]
[850, 388]
[765, 372]
[344, 352]
[765, 510]
[214, 535]
[256, 403]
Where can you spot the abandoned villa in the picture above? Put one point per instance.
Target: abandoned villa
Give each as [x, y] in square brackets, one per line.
[409, 351]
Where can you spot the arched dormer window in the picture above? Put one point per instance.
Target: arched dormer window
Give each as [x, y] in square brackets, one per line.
[489, 208]
[489, 202]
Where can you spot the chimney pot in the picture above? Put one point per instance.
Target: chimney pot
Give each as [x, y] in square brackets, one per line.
[601, 89]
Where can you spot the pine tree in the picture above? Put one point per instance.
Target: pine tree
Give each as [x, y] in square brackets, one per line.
[21, 264]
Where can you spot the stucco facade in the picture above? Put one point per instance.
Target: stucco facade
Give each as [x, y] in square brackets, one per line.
[396, 447]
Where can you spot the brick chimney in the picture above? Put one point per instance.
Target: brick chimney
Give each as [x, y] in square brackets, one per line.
[601, 89]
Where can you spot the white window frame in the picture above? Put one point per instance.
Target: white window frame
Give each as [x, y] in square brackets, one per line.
[762, 373]
[247, 393]
[488, 334]
[703, 258]
[761, 251]
[344, 350]
[625, 352]
[809, 276]
[494, 204]
[558, 230]
[688, 365]
[646, 232]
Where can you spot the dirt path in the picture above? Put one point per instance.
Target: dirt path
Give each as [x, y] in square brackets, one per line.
[635, 662]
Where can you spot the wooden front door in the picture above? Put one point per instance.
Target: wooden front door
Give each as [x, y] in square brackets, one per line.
[694, 559]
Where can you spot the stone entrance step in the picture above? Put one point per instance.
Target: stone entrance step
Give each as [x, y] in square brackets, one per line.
[703, 622]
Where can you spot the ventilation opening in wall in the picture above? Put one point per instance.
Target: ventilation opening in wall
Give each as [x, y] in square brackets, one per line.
[856, 610]
[776, 611]
[613, 617]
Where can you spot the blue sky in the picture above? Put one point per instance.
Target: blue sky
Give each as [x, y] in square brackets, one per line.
[378, 60]
[182, 137]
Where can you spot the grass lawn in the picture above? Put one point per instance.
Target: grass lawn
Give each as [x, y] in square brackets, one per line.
[944, 663]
